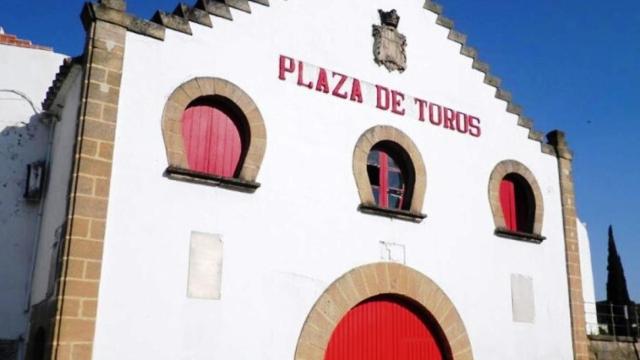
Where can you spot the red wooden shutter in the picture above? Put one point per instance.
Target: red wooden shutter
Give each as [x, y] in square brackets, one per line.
[211, 140]
[382, 330]
[384, 179]
[508, 202]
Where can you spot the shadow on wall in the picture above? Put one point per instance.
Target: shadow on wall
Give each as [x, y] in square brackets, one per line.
[21, 143]
[19, 146]
[16, 151]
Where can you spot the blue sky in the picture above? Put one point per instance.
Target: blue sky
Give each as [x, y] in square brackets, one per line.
[573, 65]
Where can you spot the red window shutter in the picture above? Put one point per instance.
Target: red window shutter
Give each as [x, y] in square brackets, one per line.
[508, 202]
[387, 179]
[381, 330]
[211, 140]
[384, 179]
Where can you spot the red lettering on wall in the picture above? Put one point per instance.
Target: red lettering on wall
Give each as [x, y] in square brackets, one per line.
[322, 83]
[449, 117]
[461, 122]
[474, 126]
[396, 102]
[301, 76]
[386, 99]
[435, 117]
[336, 91]
[356, 91]
[422, 104]
[287, 65]
[382, 95]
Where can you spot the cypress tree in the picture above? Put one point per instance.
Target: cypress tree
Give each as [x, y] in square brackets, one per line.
[617, 292]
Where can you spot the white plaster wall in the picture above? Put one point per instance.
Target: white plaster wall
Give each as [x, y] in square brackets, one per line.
[23, 140]
[588, 289]
[300, 231]
[55, 203]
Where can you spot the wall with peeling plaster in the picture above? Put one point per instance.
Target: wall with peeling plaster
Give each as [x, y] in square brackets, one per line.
[23, 140]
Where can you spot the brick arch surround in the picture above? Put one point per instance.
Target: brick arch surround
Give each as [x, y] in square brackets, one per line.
[208, 86]
[504, 168]
[373, 136]
[371, 280]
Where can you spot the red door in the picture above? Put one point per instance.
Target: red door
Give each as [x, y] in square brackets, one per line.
[212, 141]
[382, 329]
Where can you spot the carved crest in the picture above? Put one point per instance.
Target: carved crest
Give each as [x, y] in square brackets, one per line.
[389, 45]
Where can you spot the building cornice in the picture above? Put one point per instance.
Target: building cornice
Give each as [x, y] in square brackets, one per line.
[60, 81]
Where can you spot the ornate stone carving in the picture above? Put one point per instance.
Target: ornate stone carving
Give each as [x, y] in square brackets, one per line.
[389, 45]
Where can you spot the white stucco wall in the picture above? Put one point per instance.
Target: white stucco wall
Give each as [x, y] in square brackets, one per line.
[588, 289]
[23, 140]
[55, 203]
[300, 231]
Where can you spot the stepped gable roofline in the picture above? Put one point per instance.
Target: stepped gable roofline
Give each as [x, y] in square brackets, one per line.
[114, 11]
[61, 77]
[489, 78]
[13, 40]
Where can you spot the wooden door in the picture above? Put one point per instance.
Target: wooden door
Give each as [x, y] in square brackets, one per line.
[382, 329]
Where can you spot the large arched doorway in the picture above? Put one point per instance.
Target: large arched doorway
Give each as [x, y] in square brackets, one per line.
[411, 297]
[387, 327]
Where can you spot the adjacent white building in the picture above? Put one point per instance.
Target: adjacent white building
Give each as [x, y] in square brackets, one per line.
[26, 71]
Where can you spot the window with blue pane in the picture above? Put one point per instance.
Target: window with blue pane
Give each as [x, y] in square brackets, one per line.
[388, 176]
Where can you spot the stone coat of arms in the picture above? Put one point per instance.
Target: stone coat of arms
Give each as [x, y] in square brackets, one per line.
[389, 45]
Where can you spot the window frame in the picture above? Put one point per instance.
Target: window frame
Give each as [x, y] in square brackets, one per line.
[254, 129]
[516, 170]
[398, 142]
[230, 111]
[388, 155]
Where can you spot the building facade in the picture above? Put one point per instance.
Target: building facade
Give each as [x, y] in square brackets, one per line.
[284, 187]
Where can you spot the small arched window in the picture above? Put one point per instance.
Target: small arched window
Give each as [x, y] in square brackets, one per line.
[213, 134]
[390, 175]
[518, 204]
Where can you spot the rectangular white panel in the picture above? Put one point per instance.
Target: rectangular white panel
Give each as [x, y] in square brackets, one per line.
[522, 299]
[205, 266]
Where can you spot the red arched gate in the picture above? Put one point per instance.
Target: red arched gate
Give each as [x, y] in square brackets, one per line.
[386, 328]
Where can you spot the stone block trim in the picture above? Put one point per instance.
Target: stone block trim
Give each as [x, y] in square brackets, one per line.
[499, 172]
[194, 14]
[208, 86]
[113, 11]
[76, 298]
[611, 348]
[572, 246]
[361, 151]
[370, 280]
